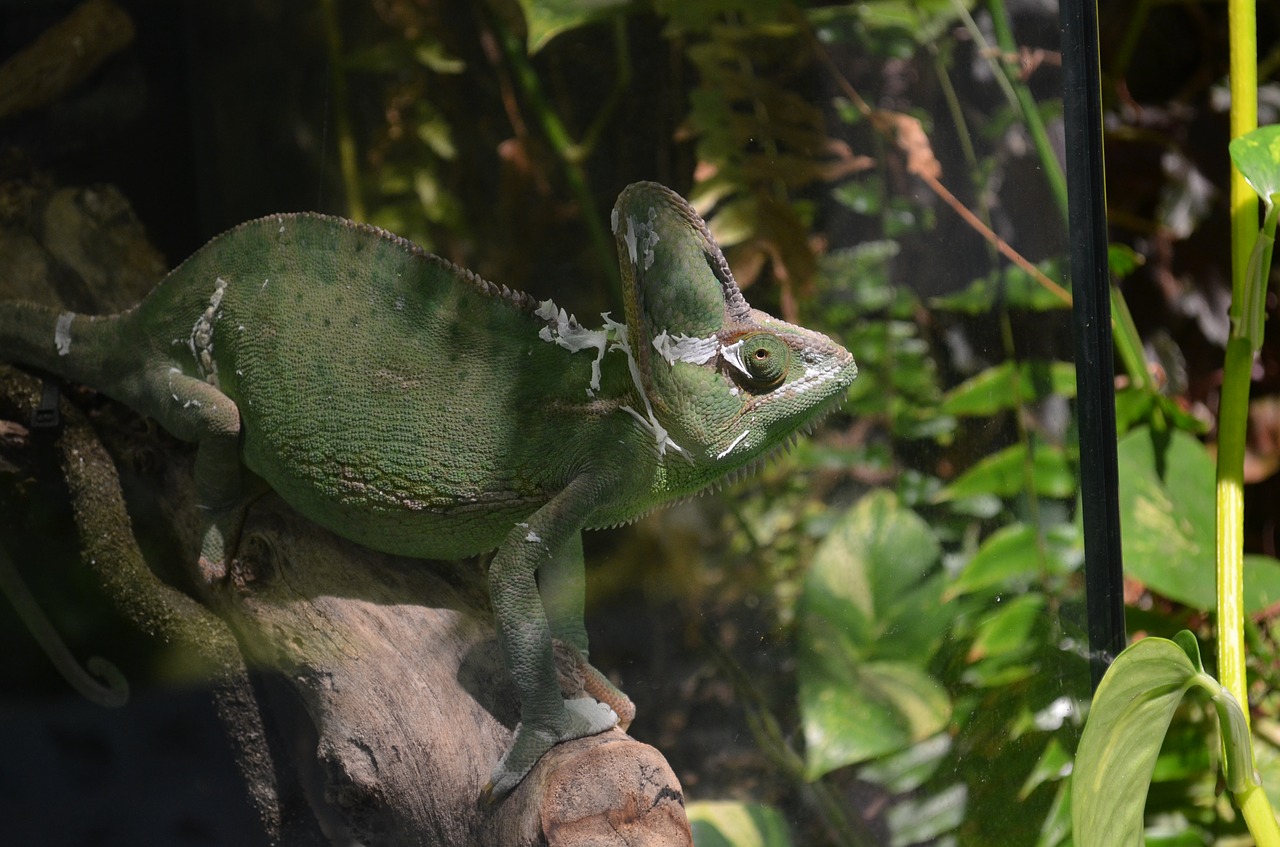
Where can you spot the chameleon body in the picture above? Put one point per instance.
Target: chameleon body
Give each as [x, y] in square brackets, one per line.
[411, 406]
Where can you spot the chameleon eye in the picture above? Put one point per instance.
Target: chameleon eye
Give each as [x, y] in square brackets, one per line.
[763, 358]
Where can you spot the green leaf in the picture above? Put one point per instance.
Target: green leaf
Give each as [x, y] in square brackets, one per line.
[1021, 291]
[916, 820]
[1009, 385]
[731, 824]
[1257, 156]
[1123, 260]
[861, 196]
[545, 19]
[860, 710]
[1167, 510]
[870, 616]
[1127, 724]
[1005, 474]
[1017, 551]
[1009, 628]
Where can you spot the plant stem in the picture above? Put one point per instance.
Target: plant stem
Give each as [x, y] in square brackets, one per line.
[1234, 407]
[1030, 113]
[341, 120]
[570, 153]
[1233, 412]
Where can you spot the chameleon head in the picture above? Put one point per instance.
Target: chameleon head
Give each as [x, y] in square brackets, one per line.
[725, 382]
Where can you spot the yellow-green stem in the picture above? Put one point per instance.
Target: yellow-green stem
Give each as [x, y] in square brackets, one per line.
[1233, 411]
[1259, 816]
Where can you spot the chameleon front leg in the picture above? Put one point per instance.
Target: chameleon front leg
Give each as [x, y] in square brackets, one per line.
[195, 410]
[549, 540]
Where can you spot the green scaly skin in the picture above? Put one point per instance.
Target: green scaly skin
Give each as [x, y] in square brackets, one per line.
[413, 407]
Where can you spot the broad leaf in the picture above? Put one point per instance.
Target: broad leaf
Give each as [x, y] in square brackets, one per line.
[730, 824]
[855, 711]
[870, 617]
[1127, 723]
[1167, 512]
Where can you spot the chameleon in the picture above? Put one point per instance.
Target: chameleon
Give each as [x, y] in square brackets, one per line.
[408, 404]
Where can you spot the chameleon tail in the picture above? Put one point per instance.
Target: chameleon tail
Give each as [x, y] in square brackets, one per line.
[110, 688]
[58, 342]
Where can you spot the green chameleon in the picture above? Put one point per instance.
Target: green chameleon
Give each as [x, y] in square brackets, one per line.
[411, 406]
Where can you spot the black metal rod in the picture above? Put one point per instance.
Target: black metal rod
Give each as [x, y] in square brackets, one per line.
[1091, 324]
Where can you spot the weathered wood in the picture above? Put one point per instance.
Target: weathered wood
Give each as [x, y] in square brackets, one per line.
[364, 692]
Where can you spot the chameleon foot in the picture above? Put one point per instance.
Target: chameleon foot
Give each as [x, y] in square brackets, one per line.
[578, 676]
[582, 717]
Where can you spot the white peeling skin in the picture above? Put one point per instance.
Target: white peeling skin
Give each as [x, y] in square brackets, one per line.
[651, 239]
[686, 348]
[630, 238]
[733, 355]
[648, 420]
[62, 333]
[564, 330]
[726, 451]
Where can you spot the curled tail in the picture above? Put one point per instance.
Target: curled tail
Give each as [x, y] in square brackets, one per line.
[110, 688]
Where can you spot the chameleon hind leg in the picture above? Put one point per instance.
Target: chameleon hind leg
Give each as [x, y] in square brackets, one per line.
[562, 584]
[196, 411]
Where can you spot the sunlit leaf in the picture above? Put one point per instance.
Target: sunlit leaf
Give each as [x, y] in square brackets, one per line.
[1008, 472]
[1018, 551]
[1257, 156]
[862, 710]
[1009, 628]
[1009, 385]
[729, 824]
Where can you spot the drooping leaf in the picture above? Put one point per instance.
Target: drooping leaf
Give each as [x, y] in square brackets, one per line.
[725, 823]
[1127, 723]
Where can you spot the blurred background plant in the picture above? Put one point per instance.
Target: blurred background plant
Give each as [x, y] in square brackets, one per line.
[879, 638]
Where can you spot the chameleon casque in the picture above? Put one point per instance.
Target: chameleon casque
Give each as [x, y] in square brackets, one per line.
[411, 406]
